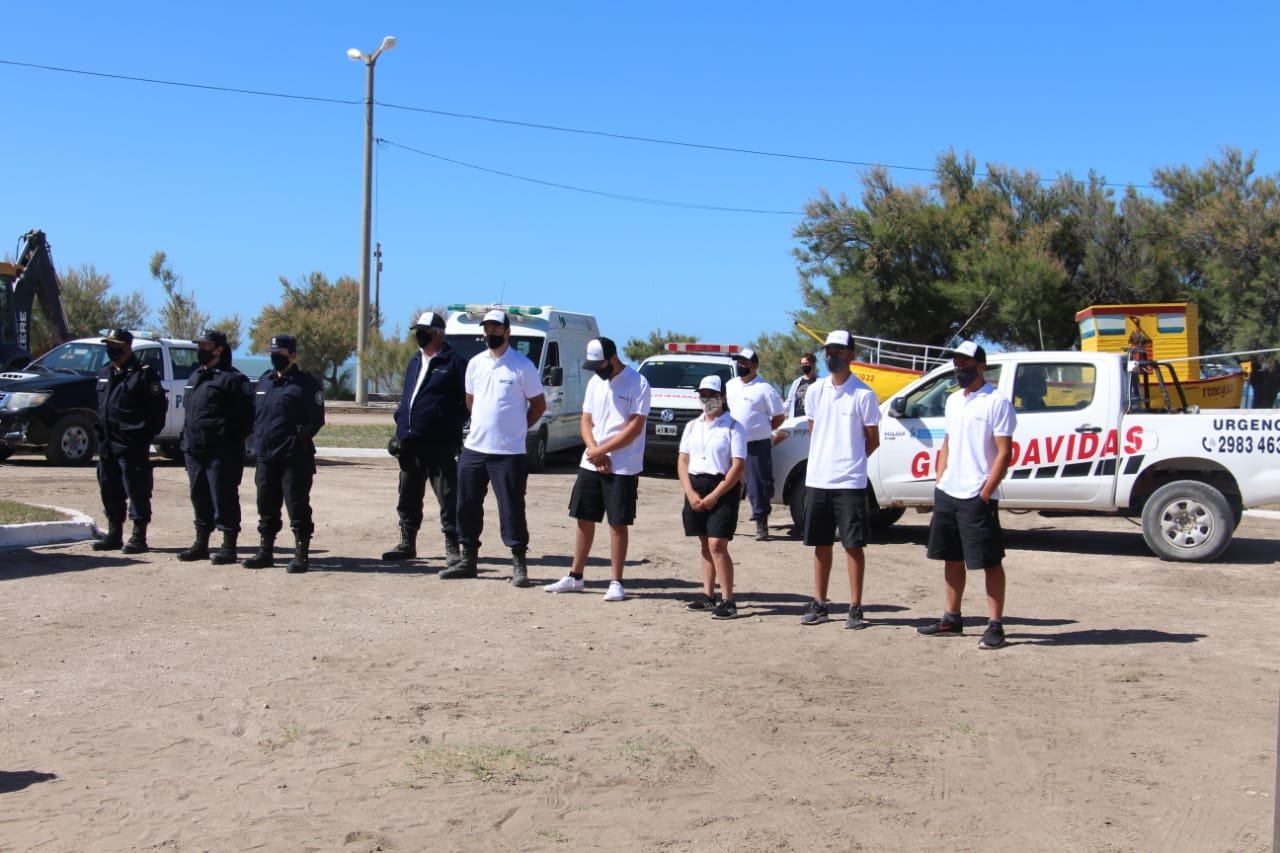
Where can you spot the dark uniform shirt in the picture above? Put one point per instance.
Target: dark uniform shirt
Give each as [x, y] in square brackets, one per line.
[219, 411]
[131, 406]
[439, 410]
[288, 412]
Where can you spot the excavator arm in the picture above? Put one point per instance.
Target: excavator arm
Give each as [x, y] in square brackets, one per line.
[32, 278]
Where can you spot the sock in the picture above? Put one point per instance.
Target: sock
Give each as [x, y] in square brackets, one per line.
[576, 576]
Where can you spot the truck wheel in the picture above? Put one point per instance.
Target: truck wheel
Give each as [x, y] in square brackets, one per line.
[72, 441]
[536, 451]
[172, 452]
[882, 519]
[1188, 521]
[795, 495]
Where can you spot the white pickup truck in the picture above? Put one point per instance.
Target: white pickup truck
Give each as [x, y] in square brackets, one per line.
[1077, 450]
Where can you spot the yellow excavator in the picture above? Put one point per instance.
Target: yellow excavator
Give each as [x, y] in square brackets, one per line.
[32, 277]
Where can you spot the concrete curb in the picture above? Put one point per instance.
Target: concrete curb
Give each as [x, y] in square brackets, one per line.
[1263, 513]
[77, 528]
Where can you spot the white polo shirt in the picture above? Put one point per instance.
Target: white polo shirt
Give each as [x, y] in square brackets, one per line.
[973, 420]
[611, 403]
[754, 405]
[501, 388]
[713, 446]
[838, 416]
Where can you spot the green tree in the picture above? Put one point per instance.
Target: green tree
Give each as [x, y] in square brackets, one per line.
[179, 316]
[1224, 221]
[385, 360]
[636, 350]
[322, 316]
[90, 307]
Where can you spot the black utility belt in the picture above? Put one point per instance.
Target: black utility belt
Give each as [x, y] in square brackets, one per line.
[706, 478]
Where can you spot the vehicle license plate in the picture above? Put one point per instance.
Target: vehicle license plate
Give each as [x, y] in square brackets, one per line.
[664, 429]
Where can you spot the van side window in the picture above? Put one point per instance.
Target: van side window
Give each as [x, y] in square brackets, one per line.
[1054, 387]
[184, 361]
[553, 354]
[154, 357]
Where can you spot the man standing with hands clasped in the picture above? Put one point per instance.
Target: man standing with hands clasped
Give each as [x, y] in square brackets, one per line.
[504, 394]
[429, 421]
[755, 404]
[965, 528]
[844, 425]
[613, 422]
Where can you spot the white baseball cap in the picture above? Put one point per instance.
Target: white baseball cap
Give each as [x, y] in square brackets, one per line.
[838, 338]
[495, 315]
[428, 320]
[969, 349]
[711, 383]
[747, 354]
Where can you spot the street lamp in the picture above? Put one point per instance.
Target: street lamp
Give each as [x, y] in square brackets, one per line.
[362, 327]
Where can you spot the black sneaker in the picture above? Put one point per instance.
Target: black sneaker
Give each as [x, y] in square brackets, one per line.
[725, 610]
[702, 602]
[993, 637]
[854, 620]
[950, 623]
[816, 614]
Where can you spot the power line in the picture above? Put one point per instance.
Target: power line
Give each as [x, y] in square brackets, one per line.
[651, 140]
[621, 197]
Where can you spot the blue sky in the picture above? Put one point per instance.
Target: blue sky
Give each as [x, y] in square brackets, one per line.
[240, 189]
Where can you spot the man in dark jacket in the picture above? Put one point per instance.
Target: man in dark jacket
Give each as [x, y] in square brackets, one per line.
[131, 410]
[288, 412]
[429, 423]
[219, 416]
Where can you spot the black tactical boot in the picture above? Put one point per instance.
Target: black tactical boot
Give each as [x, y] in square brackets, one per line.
[406, 550]
[301, 561]
[762, 530]
[137, 543]
[452, 556]
[466, 567]
[226, 554]
[199, 549]
[113, 539]
[519, 569]
[264, 558]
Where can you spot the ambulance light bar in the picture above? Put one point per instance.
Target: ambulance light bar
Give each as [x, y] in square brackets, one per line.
[721, 349]
[470, 308]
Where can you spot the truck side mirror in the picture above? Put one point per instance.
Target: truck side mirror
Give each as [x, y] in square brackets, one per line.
[553, 376]
[898, 407]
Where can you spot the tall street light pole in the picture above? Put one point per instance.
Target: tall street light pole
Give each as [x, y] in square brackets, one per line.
[362, 320]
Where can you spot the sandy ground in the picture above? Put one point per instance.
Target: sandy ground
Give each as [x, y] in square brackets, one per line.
[147, 704]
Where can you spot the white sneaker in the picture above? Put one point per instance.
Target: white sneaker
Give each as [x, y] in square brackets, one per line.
[616, 592]
[568, 583]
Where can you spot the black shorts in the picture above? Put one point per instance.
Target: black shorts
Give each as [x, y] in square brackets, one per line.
[966, 530]
[722, 520]
[828, 512]
[594, 494]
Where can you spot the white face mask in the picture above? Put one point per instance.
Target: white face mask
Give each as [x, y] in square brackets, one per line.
[711, 406]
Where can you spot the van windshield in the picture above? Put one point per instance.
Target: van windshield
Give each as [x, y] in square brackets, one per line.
[682, 374]
[468, 345]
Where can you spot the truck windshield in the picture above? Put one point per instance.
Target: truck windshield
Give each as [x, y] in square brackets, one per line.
[468, 345]
[77, 356]
[682, 374]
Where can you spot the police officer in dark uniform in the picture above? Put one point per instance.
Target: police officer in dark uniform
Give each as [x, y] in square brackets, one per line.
[429, 421]
[288, 412]
[131, 410]
[218, 400]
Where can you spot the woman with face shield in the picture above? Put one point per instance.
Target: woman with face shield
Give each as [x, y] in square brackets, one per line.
[712, 458]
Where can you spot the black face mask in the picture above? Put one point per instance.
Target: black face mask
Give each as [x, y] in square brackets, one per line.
[743, 369]
[204, 356]
[965, 376]
[424, 338]
[806, 369]
[837, 363]
[115, 353]
[280, 362]
[605, 371]
[494, 341]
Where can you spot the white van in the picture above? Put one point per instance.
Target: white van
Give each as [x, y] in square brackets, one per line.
[556, 342]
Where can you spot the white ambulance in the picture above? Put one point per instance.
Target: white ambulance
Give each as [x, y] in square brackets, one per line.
[556, 342]
[673, 378]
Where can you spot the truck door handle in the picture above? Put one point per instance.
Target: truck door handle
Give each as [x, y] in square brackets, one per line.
[1086, 428]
